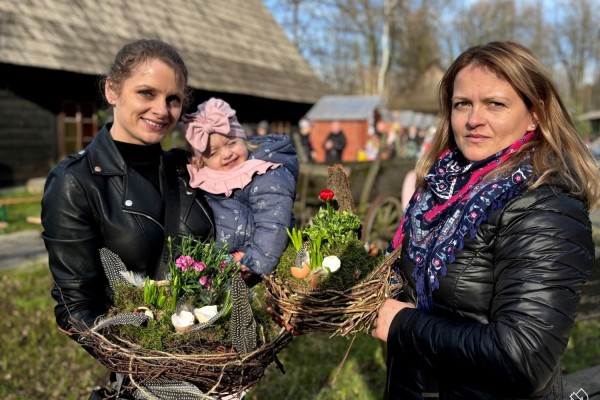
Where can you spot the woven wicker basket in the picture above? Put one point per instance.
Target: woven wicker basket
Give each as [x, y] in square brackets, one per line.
[338, 312]
[215, 374]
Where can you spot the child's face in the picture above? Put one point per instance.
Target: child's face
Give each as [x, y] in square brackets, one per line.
[224, 153]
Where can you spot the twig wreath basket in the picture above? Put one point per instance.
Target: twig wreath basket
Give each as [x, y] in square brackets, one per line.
[202, 333]
[216, 374]
[341, 303]
[340, 312]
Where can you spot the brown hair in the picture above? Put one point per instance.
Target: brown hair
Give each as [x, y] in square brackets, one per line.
[137, 52]
[558, 154]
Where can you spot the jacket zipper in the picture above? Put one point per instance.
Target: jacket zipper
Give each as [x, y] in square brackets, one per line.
[145, 216]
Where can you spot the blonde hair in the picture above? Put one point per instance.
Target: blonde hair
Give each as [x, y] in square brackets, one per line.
[558, 155]
[196, 159]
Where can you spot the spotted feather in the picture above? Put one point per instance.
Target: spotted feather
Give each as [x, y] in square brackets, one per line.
[242, 325]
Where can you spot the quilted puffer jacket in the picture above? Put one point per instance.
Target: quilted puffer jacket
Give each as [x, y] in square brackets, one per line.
[504, 311]
[93, 200]
[254, 219]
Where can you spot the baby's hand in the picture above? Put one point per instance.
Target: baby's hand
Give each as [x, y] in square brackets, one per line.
[237, 255]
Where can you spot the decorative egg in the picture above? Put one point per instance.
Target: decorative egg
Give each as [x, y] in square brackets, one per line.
[331, 263]
[205, 313]
[182, 321]
[300, 273]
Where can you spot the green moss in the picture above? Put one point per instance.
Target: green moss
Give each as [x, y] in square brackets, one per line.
[159, 334]
[356, 264]
[286, 261]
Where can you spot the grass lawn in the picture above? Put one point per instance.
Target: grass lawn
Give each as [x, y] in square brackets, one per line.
[40, 362]
[16, 215]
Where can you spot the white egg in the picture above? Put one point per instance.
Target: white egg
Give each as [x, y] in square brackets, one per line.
[205, 313]
[332, 263]
[182, 321]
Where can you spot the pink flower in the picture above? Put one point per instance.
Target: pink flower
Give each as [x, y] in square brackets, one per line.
[199, 266]
[203, 280]
[184, 263]
[223, 265]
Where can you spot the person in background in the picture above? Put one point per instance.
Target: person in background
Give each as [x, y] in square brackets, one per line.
[334, 144]
[122, 192]
[411, 142]
[496, 240]
[371, 149]
[308, 150]
[251, 186]
[386, 131]
[262, 128]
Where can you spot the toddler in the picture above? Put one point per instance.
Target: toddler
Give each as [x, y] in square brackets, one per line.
[251, 186]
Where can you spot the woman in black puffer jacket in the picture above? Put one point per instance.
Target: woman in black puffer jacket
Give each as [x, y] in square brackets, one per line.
[496, 239]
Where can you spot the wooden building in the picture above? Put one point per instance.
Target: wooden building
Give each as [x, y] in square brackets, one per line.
[357, 116]
[593, 117]
[53, 52]
[422, 94]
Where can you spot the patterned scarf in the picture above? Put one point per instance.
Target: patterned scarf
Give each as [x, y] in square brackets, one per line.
[454, 203]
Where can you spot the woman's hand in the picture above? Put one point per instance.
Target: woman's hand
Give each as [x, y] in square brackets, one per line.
[385, 315]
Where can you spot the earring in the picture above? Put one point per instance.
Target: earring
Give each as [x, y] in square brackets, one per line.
[532, 127]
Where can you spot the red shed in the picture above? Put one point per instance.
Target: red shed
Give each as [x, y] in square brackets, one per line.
[357, 116]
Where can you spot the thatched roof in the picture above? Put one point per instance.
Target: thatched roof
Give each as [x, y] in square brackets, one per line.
[232, 47]
[422, 95]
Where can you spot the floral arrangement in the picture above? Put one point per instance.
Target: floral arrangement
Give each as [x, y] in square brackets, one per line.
[198, 288]
[319, 245]
[202, 325]
[328, 279]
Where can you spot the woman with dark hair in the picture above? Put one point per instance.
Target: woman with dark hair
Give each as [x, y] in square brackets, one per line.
[122, 192]
[497, 241]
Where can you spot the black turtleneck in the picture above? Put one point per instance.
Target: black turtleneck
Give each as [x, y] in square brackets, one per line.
[144, 159]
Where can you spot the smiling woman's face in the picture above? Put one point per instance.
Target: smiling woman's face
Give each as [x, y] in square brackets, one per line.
[148, 104]
[488, 115]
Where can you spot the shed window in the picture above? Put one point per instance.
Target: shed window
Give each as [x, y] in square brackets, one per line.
[77, 126]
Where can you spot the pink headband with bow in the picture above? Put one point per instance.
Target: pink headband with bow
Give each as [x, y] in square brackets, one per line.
[213, 116]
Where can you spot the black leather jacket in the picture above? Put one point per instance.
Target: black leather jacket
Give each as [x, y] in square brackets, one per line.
[93, 200]
[504, 311]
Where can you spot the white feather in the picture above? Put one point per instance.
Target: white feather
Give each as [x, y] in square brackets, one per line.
[135, 279]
